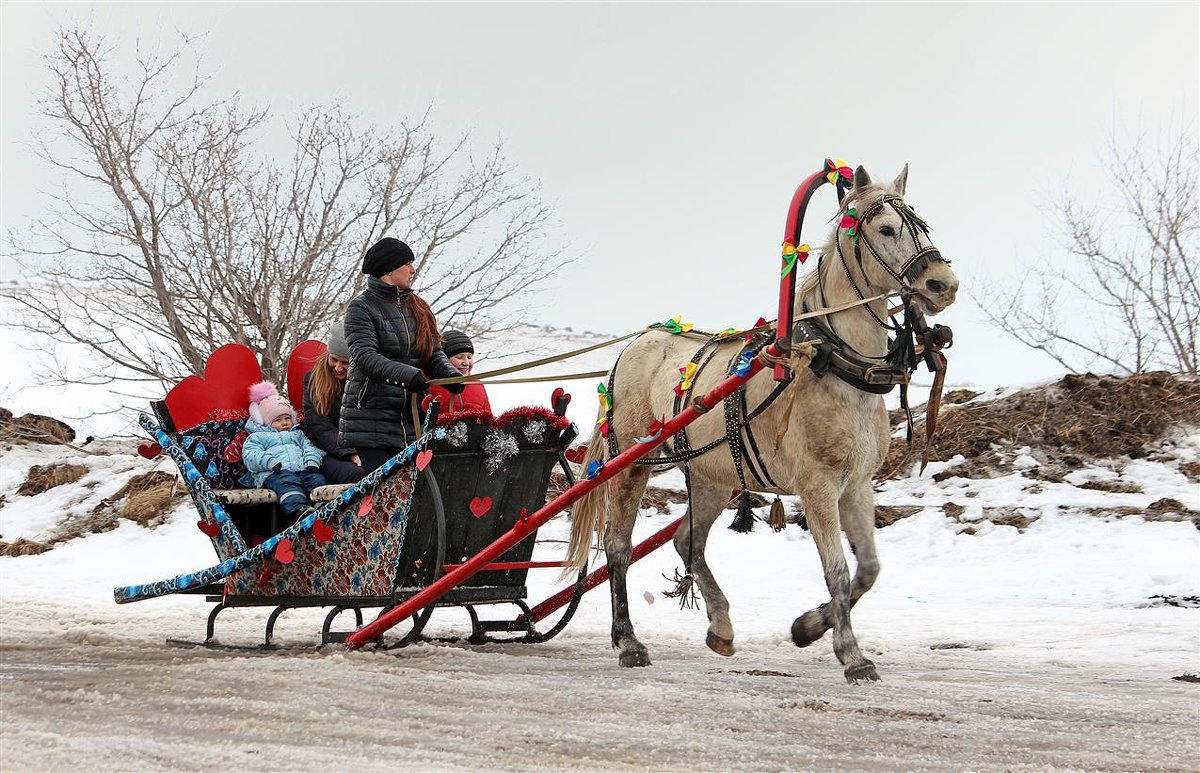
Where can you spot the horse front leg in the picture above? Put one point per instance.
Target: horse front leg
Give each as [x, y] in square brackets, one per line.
[821, 506]
[618, 546]
[856, 510]
[703, 508]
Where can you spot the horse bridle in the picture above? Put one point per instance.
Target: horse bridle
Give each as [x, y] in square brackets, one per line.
[913, 267]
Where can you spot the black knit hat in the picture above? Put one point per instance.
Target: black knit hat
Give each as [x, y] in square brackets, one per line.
[385, 256]
[455, 342]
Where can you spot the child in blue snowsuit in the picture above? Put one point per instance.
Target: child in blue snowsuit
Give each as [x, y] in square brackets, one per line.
[278, 454]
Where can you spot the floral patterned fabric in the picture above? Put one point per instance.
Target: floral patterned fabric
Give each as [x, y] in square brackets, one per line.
[215, 448]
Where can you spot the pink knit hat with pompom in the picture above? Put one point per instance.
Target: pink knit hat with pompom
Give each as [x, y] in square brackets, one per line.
[267, 405]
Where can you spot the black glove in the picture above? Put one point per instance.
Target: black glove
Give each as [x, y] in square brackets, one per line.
[418, 383]
[277, 468]
[455, 389]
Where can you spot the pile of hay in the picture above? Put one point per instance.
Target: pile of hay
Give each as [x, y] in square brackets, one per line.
[1078, 418]
[32, 428]
[42, 478]
[146, 499]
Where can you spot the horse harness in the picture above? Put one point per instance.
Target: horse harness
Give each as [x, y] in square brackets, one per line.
[914, 342]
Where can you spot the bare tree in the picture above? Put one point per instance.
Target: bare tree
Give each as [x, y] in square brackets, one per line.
[186, 238]
[1129, 297]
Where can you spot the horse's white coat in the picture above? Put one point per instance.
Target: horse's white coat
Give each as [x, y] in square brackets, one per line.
[822, 439]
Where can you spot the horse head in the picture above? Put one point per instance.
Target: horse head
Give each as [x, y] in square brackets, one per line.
[889, 244]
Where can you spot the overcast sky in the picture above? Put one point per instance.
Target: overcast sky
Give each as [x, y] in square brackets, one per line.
[670, 137]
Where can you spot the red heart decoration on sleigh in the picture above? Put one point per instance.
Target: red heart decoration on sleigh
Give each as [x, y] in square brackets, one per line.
[322, 531]
[364, 507]
[425, 401]
[210, 528]
[557, 393]
[228, 374]
[283, 551]
[576, 454]
[423, 458]
[149, 450]
[480, 505]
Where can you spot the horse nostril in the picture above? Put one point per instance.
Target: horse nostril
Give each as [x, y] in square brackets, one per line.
[935, 286]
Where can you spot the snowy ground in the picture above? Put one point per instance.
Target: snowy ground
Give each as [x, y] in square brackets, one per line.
[1000, 649]
[1047, 646]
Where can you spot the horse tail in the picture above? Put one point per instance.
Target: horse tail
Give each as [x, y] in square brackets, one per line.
[589, 514]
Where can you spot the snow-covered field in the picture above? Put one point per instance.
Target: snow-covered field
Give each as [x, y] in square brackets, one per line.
[998, 649]
[1048, 646]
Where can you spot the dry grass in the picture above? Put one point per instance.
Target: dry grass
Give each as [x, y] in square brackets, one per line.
[145, 499]
[1084, 416]
[32, 428]
[42, 478]
[148, 497]
[23, 547]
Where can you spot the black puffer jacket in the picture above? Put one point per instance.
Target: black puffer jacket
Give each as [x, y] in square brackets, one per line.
[322, 429]
[380, 330]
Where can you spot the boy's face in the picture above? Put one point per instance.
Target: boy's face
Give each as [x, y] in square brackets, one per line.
[283, 423]
[464, 362]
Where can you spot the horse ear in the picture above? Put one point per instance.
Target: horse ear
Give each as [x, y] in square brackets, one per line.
[901, 181]
[861, 178]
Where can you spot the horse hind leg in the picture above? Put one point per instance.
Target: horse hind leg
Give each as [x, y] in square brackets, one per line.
[823, 512]
[690, 539]
[624, 496]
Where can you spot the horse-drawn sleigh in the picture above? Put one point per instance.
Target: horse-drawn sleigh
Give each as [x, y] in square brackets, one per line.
[450, 520]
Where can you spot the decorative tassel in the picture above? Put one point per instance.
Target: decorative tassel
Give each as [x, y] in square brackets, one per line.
[743, 522]
[778, 519]
[684, 590]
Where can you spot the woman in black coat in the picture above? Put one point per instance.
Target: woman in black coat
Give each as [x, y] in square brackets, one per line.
[394, 342]
[324, 386]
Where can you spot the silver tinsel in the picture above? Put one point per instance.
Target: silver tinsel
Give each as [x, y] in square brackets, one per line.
[498, 446]
[535, 431]
[457, 435]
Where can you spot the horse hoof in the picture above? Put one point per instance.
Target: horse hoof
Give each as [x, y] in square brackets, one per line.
[636, 658]
[864, 672]
[808, 628]
[718, 644]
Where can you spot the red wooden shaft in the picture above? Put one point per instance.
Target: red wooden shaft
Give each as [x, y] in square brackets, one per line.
[600, 576]
[791, 234]
[526, 526]
[501, 566]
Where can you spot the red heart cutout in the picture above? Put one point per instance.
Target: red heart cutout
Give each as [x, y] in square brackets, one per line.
[423, 459]
[425, 401]
[228, 374]
[557, 393]
[322, 531]
[576, 454]
[364, 507]
[212, 529]
[283, 551]
[480, 506]
[149, 450]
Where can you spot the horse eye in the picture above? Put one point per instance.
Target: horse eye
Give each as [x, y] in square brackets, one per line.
[887, 230]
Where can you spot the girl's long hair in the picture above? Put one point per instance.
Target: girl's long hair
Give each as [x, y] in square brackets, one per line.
[323, 385]
[427, 331]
